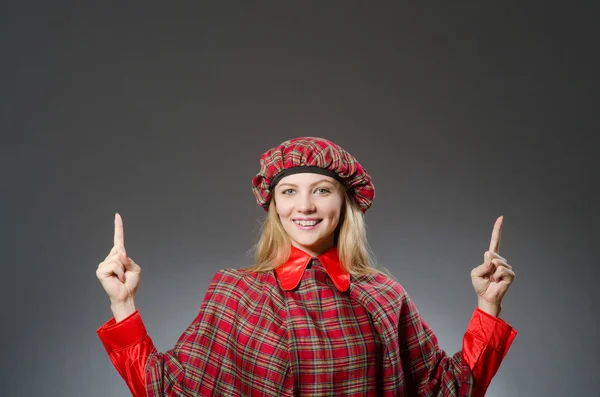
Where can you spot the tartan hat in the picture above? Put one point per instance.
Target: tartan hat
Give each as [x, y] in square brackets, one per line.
[315, 155]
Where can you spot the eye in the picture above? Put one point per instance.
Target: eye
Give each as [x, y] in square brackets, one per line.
[323, 190]
[287, 191]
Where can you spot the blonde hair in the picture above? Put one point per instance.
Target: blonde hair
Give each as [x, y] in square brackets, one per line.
[274, 246]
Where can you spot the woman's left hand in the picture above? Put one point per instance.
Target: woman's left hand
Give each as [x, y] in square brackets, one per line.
[492, 278]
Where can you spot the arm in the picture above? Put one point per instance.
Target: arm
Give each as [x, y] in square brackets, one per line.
[124, 334]
[466, 373]
[129, 347]
[194, 364]
[146, 371]
[485, 345]
[125, 339]
[428, 370]
[488, 338]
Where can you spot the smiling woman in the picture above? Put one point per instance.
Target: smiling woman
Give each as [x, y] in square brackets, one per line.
[313, 316]
[309, 209]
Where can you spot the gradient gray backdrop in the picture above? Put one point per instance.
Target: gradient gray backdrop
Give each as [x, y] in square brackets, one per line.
[460, 112]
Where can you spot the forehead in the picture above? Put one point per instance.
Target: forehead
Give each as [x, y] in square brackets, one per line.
[306, 178]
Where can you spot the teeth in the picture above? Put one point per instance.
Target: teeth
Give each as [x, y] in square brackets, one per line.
[306, 223]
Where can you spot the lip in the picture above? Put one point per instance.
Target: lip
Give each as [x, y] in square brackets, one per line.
[306, 219]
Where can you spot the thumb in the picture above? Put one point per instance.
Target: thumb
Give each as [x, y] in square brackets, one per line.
[482, 270]
[132, 266]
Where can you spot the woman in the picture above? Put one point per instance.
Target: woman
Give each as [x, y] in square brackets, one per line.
[313, 316]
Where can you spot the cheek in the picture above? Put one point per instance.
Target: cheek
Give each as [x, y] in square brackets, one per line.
[283, 210]
[334, 211]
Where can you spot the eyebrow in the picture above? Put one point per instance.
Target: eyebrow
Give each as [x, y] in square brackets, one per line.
[312, 184]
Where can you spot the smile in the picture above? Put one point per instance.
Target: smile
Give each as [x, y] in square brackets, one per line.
[307, 224]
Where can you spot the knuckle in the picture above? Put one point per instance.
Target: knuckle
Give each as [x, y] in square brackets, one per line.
[105, 266]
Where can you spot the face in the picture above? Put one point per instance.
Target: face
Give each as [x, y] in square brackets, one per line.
[309, 208]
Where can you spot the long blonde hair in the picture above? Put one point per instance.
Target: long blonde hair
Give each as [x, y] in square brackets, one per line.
[274, 246]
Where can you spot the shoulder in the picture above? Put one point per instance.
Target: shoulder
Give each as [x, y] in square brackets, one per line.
[380, 293]
[380, 286]
[387, 301]
[239, 283]
[230, 276]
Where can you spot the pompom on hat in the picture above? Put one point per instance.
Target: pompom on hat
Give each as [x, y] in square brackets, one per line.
[315, 155]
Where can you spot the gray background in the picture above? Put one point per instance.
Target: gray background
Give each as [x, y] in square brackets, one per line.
[461, 113]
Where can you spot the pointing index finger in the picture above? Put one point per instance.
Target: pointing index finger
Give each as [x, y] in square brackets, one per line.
[119, 239]
[495, 241]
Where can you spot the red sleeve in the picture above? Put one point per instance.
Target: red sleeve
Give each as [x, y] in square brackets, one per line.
[466, 373]
[128, 346]
[485, 345]
[197, 352]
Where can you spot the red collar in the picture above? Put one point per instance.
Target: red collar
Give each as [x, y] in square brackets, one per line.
[290, 273]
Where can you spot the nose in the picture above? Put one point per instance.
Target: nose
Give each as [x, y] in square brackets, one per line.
[305, 203]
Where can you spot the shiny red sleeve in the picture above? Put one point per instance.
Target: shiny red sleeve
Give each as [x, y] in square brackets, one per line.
[128, 346]
[485, 345]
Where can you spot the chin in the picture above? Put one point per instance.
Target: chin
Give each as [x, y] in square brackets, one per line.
[306, 243]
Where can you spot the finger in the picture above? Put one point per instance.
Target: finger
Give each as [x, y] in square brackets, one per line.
[125, 260]
[482, 270]
[109, 268]
[117, 253]
[495, 241]
[115, 250]
[502, 274]
[488, 256]
[131, 266]
[119, 271]
[493, 255]
[119, 240]
[500, 262]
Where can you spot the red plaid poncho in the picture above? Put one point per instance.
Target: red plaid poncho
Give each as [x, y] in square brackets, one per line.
[254, 338]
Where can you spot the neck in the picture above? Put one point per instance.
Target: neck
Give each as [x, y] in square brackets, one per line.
[316, 250]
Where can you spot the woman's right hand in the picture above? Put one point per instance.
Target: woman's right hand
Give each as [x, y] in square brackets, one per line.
[119, 274]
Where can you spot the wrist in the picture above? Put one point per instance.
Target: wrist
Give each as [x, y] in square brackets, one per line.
[490, 308]
[122, 310]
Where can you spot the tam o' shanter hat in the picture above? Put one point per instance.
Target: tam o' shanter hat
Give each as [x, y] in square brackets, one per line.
[315, 155]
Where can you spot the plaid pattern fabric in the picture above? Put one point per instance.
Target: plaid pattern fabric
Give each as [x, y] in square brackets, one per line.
[316, 152]
[252, 338]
